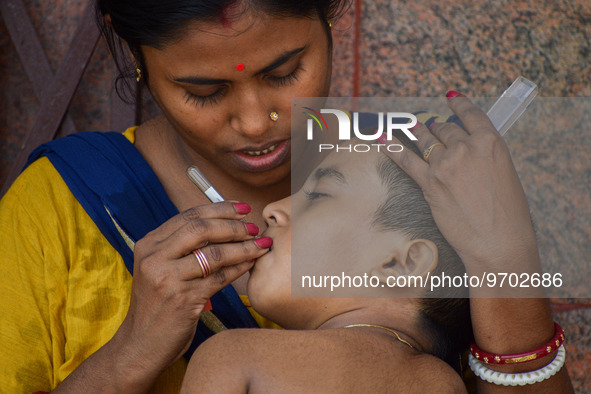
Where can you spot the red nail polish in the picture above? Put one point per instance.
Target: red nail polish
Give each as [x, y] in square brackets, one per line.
[252, 228]
[382, 138]
[264, 242]
[242, 208]
[451, 94]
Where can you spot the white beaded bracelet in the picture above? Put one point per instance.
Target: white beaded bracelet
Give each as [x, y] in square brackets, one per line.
[517, 379]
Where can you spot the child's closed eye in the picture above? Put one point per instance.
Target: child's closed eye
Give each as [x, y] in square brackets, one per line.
[313, 195]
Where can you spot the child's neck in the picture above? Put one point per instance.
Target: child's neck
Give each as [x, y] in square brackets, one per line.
[402, 321]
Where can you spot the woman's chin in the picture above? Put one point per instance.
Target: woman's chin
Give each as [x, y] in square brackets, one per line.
[263, 179]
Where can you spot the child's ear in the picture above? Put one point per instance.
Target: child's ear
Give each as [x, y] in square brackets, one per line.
[417, 257]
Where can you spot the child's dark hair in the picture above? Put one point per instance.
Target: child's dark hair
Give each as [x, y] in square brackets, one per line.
[156, 23]
[446, 321]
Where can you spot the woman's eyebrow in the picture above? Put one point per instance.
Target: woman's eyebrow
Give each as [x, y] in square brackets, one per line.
[331, 172]
[282, 59]
[200, 81]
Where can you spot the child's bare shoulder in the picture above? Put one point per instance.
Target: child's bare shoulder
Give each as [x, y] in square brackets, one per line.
[314, 361]
[259, 347]
[236, 360]
[434, 375]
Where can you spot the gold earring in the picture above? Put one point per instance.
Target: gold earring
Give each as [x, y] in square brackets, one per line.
[330, 25]
[139, 74]
[274, 116]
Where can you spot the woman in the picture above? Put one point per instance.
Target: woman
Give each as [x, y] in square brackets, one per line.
[223, 75]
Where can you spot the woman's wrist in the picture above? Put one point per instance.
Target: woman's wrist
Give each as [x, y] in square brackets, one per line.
[108, 370]
[532, 376]
[133, 370]
[507, 274]
[526, 360]
[512, 325]
[523, 357]
[516, 325]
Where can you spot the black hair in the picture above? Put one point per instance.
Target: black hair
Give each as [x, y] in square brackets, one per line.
[445, 315]
[156, 23]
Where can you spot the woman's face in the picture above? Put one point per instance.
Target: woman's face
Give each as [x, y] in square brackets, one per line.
[326, 228]
[221, 111]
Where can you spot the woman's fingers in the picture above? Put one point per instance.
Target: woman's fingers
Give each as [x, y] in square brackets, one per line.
[417, 165]
[220, 210]
[427, 143]
[441, 138]
[199, 290]
[448, 133]
[473, 119]
[220, 256]
[409, 162]
[199, 232]
[225, 276]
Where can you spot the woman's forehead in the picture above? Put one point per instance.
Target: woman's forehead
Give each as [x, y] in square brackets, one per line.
[248, 26]
[251, 40]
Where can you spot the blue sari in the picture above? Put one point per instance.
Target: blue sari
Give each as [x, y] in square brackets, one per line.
[122, 195]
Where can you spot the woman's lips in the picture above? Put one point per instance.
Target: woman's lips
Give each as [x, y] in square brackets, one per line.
[265, 159]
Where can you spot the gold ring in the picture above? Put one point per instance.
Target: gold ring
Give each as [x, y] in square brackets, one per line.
[427, 152]
[203, 263]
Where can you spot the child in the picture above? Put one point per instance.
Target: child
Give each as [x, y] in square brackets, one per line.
[382, 225]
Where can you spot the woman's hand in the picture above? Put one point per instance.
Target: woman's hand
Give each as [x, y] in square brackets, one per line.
[169, 291]
[478, 203]
[473, 190]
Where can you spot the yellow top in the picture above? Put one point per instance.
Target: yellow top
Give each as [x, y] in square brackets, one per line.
[64, 289]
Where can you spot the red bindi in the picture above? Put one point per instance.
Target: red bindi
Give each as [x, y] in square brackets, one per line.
[224, 19]
[240, 67]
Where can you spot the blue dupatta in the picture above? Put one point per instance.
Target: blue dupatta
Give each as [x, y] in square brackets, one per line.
[122, 195]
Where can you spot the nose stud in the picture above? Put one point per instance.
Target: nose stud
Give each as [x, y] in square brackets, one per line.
[274, 116]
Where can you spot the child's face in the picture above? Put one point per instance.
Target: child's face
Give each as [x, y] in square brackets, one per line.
[327, 226]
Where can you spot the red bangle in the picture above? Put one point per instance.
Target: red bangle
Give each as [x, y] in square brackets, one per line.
[498, 359]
